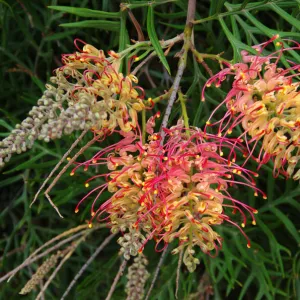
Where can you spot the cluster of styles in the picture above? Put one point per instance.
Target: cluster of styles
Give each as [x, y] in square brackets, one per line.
[173, 186]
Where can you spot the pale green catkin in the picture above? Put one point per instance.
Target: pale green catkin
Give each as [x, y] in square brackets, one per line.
[137, 277]
[41, 272]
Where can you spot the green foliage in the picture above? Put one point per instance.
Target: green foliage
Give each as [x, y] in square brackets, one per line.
[32, 38]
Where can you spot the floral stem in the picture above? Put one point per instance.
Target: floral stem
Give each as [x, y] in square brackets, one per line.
[144, 126]
[164, 44]
[182, 100]
[161, 97]
[201, 56]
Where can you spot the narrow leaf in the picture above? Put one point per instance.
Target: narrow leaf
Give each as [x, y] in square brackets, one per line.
[101, 24]
[287, 223]
[85, 12]
[154, 40]
[286, 16]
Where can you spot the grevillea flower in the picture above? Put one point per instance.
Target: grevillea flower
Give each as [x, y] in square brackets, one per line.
[87, 92]
[265, 100]
[88, 76]
[171, 191]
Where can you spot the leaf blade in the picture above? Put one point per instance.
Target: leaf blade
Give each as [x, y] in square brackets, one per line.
[154, 39]
[100, 24]
[85, 12]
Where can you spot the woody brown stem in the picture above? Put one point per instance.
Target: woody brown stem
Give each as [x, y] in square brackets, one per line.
[181, 64]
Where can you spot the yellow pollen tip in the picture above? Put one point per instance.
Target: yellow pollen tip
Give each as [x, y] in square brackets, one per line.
[197, 156]
[233, 160]
[255, 194]
[72, 174]
[93, 213]
[68, 158]
[149, 99]
[137, 59]
[86, 185]
[76, 210]
[90, 225]
[256, 175]
[207, 123]
[155, 192]
[243, 225]
[221, 153]
[239, 172]
[248, 246]
[234, 171]
[229, 131]
[94, 161]
[265, 197]
[253, 223]
[165, 158]
[278, 44]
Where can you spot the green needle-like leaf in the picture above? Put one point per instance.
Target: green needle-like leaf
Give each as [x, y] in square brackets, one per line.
[154, 40]
[85, 12]
[101, 24]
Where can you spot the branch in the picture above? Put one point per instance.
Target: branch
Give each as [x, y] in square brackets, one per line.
[161, 260]
[98, 250]
[181, 64]
[119, 274]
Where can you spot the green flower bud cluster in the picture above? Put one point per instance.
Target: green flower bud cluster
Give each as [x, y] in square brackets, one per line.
[137, 277]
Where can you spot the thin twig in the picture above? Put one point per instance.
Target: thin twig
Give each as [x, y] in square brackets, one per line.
[119, 274]
[178, 273]
[58, 165]
[60, 236]
[181, 64]
[137, 44]
[98, 250]
[161, 260]
[28, 261]
[31, 259]
[142, 63]
[66, 257]
[41, 287]
[136, 25]
[65, 169]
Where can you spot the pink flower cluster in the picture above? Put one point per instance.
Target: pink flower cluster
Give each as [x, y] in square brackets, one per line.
[265, 100]
[176, 190]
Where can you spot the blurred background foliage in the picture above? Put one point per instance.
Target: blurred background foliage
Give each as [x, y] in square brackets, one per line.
[32, 39]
